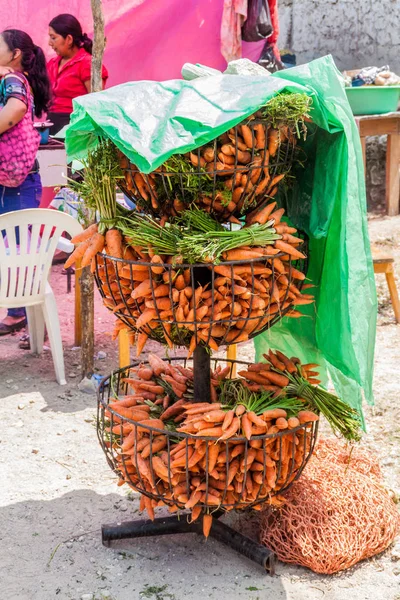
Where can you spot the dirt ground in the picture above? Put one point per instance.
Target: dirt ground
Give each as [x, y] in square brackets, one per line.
[56, 489]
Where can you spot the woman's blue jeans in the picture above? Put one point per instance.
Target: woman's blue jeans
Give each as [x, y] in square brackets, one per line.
[26, 195]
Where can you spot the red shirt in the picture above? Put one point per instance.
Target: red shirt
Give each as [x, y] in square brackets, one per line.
[69, 81]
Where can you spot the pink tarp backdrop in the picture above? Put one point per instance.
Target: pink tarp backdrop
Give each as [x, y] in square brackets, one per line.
[146, 39]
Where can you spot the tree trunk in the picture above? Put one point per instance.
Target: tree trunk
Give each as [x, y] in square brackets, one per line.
[87, 283]
[99, 44]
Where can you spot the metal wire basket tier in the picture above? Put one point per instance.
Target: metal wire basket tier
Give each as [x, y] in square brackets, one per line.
[228, 177]
[267, 464]
[224, 304]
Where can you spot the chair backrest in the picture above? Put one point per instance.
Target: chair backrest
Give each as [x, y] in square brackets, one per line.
[28, 241]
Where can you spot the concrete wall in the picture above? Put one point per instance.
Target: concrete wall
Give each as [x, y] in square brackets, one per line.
[357, 33]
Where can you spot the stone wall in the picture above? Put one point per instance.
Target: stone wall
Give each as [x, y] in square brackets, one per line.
[357, 33]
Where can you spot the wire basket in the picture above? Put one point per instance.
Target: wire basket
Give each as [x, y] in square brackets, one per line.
[229, 303]
[228, 177]
[281, 457]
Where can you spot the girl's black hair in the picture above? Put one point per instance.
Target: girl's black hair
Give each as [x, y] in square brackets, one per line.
[33, 65]
[69, 25]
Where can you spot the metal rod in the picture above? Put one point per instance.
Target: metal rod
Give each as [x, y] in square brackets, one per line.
[146, 528]
[201, 375]
[171, 525]
[244, 545]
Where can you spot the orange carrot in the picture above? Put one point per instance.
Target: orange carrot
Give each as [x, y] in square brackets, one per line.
[228, 419]
[143, 289]
[246, 426]
[255, 419]
[78, 253]
[273, 142]
[207, 523]
[306, 416]
[85, 234]
[231, 430]
[280, 245]
[148, 315]
[96, 245]
[114, 243]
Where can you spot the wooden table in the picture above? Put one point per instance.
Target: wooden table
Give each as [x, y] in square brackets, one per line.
[387, 124]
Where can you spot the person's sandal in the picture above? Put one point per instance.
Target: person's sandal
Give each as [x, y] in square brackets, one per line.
[25, 343]
[7, 329]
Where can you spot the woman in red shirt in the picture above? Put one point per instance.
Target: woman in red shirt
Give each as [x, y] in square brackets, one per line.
[70, 70]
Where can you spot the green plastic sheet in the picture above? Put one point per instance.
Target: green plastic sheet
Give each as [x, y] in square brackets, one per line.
[150, 121]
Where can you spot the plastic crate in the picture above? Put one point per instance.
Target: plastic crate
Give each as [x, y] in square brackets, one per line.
[373, 99]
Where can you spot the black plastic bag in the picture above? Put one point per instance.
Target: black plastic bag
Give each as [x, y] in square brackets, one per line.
[269, 60]
[258, 24]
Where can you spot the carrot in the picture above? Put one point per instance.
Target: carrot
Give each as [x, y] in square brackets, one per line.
[255, 419]
[148, 315]
[211, 432]
[261, 215]
[197, 161]
[281, 423]
[228, 419]
[207, 523]
[143, 289]
[260, 136]
[194, 499]
[256, 377]
[288, 249]
[274, 360]
[233, 469]
[154, 423]
[96, 245]
[247, 135]
[276, 180]
[273, 142]
[209, 154]
[141, 342]
[289, 365]
[240, 254]
[262, 186]
[277, 379]
[293, 422]
[274, 413]
[246, 426]
[213, 451]
[114, 243]
[149, 508]
[215, 416]
[231, 430]
[78, 252]
[243, 156]
[305, 416]
[158, 444]
[85, 234]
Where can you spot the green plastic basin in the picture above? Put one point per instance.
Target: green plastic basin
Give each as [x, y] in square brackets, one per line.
[373, 99]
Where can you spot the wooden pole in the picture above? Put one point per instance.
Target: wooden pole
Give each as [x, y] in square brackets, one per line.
[86, 280]
[99, 44]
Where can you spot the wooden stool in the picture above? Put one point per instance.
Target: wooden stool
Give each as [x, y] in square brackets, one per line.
[383, 263]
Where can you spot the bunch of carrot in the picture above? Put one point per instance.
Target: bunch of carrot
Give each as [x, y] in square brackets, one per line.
[231, 176]
[91, 242]
[163, 301]
[230, 456]
[160, 298]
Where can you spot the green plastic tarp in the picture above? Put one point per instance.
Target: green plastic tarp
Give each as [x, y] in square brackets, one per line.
[150, 121]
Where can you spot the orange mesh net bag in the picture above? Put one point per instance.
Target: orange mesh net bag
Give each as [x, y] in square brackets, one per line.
[335, 515]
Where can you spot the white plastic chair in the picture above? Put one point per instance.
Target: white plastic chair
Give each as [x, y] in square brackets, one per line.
[24, 271]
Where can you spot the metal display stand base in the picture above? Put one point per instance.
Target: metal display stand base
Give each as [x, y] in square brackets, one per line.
[171, 525]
